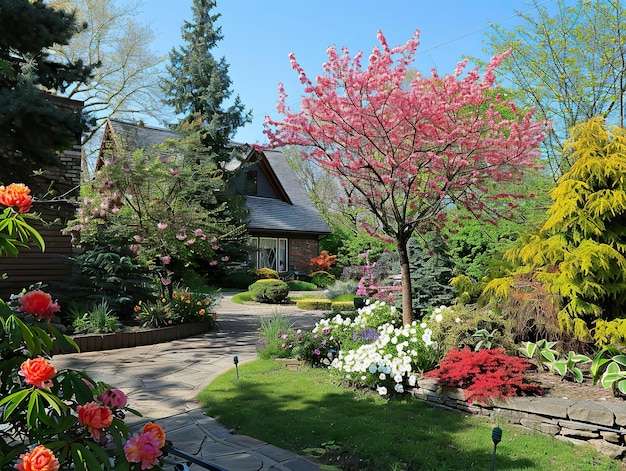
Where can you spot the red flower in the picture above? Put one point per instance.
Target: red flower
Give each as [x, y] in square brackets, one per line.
[95, 417]
[16, 195]
[38, 372]
[39, 304]
[40, 459]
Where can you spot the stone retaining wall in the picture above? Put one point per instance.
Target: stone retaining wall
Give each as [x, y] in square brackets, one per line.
[599, 424]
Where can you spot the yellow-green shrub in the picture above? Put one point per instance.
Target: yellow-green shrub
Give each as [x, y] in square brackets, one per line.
[264, 273]
[314, 304]
[269, 291]
[342, 306]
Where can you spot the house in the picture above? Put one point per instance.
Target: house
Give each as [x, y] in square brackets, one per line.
[33, 265]
[283, 224]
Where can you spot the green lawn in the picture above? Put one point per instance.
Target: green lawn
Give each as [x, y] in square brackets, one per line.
[308, 412]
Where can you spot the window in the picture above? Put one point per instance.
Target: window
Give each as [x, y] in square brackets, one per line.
[250, 185]
[269, 252]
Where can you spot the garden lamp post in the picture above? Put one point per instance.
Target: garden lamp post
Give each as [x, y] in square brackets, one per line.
[236, 362]
[496, 437]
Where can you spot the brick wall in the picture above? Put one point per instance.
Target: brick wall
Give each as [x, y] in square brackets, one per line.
[301, 251]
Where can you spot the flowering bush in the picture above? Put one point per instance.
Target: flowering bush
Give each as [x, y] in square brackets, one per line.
[374, 350]
[183, 307]
[485, 374]
[52, 420]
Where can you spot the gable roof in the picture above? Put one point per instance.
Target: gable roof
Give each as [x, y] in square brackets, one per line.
[292, 212]
[277, 215]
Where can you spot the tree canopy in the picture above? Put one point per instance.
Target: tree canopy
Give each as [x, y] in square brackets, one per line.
[198, 86]
[569, 65]
[410, 151]
[32, 128]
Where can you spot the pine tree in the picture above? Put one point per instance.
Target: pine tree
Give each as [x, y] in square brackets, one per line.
[580, 252]
[199, 85]
[32, 129]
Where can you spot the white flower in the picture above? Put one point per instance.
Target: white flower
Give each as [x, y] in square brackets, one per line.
[439, 318]
[457, 320]
[399, 388]
[382, 390]
[397, 378]
[382, 376]
[423, 325]
[412, 380]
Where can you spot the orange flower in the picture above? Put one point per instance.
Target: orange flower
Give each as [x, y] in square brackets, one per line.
[201, 312]
[38, 372]
[95, 417]
[16, 195]
[157, 432]
[40, 459]
[39, 304]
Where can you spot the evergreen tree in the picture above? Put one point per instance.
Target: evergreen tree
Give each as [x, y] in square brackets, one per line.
[580, 253]
[199, 85]
[32, 129]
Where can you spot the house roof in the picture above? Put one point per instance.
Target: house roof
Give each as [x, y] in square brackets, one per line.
[294, 212]
[278, 215]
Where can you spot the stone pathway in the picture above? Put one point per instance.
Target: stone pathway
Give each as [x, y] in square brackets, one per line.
[162, 381]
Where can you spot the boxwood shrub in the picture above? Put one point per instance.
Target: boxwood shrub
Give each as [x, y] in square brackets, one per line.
[314, 304]
[269, 291]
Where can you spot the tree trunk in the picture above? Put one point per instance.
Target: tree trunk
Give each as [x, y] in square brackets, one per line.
[405, 271]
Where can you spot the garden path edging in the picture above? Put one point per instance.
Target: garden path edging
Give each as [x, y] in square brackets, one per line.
[97, 342]
[601, 425]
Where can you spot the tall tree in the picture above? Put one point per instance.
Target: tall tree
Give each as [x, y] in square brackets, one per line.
[125, 83]
[410, 152]
[569, 65]
[32, 129]
[199, 86]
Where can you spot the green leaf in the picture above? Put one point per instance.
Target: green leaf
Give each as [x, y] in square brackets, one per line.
[77, 458]
[12, 402]
[578, 375]
[559, 367]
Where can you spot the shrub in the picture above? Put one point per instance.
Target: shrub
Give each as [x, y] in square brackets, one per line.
[97, 319]
[264, 274]
[322, 278]
[314, 304]
[188, 306]
[317, 349]
[323, 261]
[456, 327]
[342, 306]
[299, 285]
[154, 314]
[269, 291]
[484, 375]
[339, 288]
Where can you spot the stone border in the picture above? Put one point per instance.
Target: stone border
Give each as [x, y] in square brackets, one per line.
[94, 342]
[601, 425]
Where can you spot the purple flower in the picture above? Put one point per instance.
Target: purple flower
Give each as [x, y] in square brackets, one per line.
[317, 351]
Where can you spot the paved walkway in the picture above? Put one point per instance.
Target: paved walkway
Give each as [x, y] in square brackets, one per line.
[162, 381]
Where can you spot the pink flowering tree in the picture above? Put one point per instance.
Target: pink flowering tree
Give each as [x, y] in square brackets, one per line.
[409, 149]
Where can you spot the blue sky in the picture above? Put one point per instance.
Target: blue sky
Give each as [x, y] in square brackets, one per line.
[260, 34]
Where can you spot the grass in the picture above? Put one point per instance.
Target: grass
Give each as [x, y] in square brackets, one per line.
[306, 411]
[242, 297]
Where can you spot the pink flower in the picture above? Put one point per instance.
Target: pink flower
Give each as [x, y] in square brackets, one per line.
[174, 171]
[113, 398]
[95, 417]
[225, 258]
[166, 260]
[190, 241]
[162, 226]
[145, 447]
[181, 236]
[138, 239]
[166, 281]
[215, 247]
[213, 263]
[197, 232]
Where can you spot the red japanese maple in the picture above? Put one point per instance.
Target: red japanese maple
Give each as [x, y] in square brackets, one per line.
[323, 261]
[485, 374]
[410, 148]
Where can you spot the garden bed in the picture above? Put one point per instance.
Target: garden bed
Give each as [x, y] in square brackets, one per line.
[97, 342]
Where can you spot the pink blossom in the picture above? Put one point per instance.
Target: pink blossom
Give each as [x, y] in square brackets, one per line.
[174, 171]
[180, 236]
[166, 259]
[162, 226]
[113, 398]
[215, 247]
[213, 263]
[197, 232]
[138, 239]
[166, 281]
[225, 258]
[191, 242]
